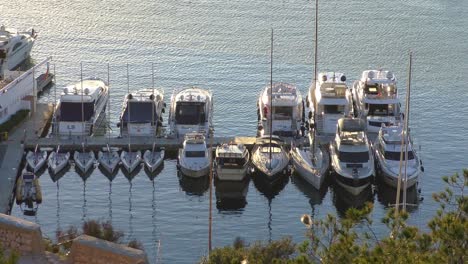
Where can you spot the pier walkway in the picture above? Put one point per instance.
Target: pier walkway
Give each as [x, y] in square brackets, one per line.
[12, 150]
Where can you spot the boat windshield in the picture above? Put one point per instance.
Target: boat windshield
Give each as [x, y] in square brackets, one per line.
[395, 155]
[190, 113]
[282, 112]
[333, 109]
[140, 112]
[231, 161]
[357, 157]
[194, 154]
[381, 109]
[72, 112]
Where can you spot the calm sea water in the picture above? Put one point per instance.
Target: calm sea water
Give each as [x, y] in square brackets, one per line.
[224, 46]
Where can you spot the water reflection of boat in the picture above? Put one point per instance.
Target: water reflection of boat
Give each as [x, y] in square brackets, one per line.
[193, 186]
[84, 175]
[131, 175]
[386, 195]
[315, 196]
[344, 200]
[57, 176]
[109, 175]
[152, 174]
[28, 191]
[231, 195]
[268, 188]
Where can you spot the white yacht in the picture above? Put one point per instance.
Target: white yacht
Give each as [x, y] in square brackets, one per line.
[191, 110]
[194, 157]
[376, 99]
[81, 108]
[312, 167]
[286, 107]
[269, 158]
[145, 107]
[58, 160]
[388, 148]
[232, 161]
[351, 155]
[15, 47]
[333, 100]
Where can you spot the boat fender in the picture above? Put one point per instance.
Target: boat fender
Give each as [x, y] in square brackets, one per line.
[312, 126]
[310, 114]
[163, 110]
[151, 97]
[307, 101]
[38, 191]
[422, 168]
[343, 78]
[260, 127]
[19, 194]
[129, 96]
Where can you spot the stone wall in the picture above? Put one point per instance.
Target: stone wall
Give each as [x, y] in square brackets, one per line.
[90, 250]
[21, 236]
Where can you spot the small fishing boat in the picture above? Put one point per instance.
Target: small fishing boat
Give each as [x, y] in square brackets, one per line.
[269, 158]
[58, 160]
[194, 157]
[231, 161]
[28, 191]
[153, 158]
[311, 164]
[109, 159]
[84, 160]
[130, 159]
[36, 159]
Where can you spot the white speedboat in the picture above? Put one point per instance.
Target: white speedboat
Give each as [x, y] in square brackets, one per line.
[130, 160]
[58, 161]
[286, 109]
[84, 160]
[333, 100]
[388, 149]
[153, 158]
[36, 159]
[81, 108]
[194, 156]
[231, 161]
[144, 110]
[269, 158]
[351, 155]
[191, 110]
[376, 99]
[15, 47]
[109, 159]
[312, 167]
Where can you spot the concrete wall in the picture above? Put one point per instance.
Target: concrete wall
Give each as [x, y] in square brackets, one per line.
[87, 249]
[21, 236]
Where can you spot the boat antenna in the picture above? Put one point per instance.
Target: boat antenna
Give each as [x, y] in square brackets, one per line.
[271, 93]
[82, 103]
[403, 136]
[408, 92]
[128, 116]
[314, 84]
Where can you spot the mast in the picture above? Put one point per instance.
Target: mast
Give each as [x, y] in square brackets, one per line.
[108, 106]
[271, 93]
[404, 135]
[314, 84]
[408, 92]
[153, 104]
[82, 104]
[128, 105]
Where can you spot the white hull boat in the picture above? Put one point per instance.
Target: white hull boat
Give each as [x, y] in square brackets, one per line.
[351, 156]
[387, 150]
[232, 162]
[153, 159]
[313, 172]
[273, 168]
[109, 160]
[57, 161]
[130, 160]
[15, 47]
[36, 159]
[195, 157]
[84, 160]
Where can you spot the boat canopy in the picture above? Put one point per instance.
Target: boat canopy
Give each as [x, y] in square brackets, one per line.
[351, 125]
[140, 112]
[190, 113]
[76, 111]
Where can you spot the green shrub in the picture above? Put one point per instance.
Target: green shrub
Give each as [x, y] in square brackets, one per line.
[11, 259]
[14, 120]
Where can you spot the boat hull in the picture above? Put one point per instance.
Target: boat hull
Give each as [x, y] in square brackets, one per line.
[195, 173]
[231, 174]
[58, 161]
[130, 160]
[109, 160]
[153, 160]
[302, 164]
[36, 160]
[84, 160]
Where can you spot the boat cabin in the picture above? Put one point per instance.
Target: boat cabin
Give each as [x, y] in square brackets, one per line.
[332, 85]
[351, 131]
[231, 155]
[391, 143]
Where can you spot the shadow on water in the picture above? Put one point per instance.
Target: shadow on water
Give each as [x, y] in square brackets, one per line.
[231, 195]
[315, 196]
[84, 175]
[110, 176]
[60, 174]
[193, 186]
[131, 175]
[343, 200]
[152, 175]
[386, 195]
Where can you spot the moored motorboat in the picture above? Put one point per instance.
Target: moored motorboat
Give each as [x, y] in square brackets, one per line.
[194, 157]
[130, 160]
[58, 160]
[109, 159]
[191, 110]
[15, 47]
[36, 159]
[153, 158]
[351, 155]
[84, 160]
[269, 158]
[312, 165]
[392, 147]
[231, 161]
